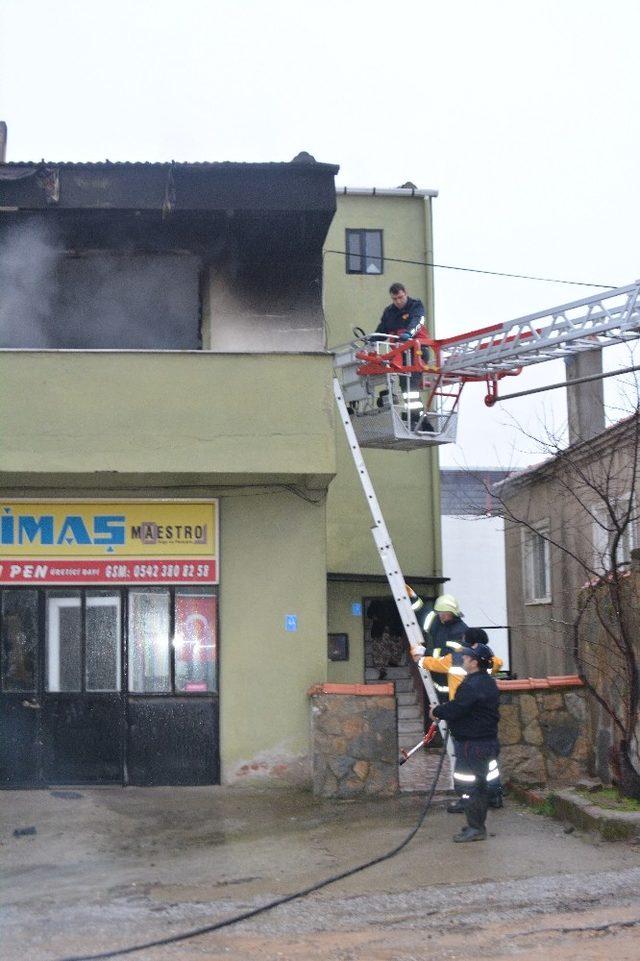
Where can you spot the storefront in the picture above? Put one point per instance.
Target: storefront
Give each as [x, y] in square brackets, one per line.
[109, 642]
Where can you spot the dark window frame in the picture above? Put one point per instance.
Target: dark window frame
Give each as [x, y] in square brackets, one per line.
[361, 233]
[124, 592]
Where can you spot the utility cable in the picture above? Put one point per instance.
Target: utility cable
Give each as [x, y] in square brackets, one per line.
[477, 270]
[245, 915]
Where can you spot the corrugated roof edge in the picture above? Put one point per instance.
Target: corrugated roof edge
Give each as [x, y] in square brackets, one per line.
[526, 475]
[334, 168]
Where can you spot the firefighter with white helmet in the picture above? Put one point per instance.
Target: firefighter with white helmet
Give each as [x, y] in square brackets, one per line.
[444, 632]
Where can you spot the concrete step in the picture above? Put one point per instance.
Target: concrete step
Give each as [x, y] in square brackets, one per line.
[408, 712]
[404, 685]
[406, 697]
[393, 673]
[410, 728]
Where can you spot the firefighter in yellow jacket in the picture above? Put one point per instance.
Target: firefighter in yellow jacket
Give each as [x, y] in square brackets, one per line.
[448, 661]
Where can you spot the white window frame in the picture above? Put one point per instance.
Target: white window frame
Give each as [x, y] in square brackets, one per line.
[54, 607]
[602, 538]
[528, 573]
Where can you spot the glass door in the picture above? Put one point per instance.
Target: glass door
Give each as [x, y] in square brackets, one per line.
[20, 756]
[82, 704]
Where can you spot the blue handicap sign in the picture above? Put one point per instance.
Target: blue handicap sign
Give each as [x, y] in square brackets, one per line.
[291, 622]
[356, 609]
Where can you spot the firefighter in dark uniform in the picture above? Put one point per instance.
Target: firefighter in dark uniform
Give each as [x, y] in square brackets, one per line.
[404, 316]
[444, 634]
[472, 717]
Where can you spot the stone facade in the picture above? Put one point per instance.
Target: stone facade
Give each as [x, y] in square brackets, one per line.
[544, 735]
[607, 669]
[354, 740]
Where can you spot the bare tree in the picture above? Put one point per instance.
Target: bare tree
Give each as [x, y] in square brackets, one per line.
[591, 492]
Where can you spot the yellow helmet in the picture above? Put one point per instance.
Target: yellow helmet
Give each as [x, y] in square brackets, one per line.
[447, 602]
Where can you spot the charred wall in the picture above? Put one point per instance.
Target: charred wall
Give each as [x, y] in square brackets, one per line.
[163, 256]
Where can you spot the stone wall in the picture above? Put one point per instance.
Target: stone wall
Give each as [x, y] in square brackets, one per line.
[354, 740]
[605, 667]
[544, 735]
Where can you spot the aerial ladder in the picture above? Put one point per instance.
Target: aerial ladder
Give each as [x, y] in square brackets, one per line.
[404, 394]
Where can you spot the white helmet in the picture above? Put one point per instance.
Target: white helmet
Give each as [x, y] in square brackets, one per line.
[447, 602]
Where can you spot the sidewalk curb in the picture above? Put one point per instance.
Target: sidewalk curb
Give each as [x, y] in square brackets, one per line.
[569, 805]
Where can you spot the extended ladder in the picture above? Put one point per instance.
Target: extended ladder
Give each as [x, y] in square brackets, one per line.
[387, 554]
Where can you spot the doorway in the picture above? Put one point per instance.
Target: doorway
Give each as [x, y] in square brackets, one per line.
[109, 686]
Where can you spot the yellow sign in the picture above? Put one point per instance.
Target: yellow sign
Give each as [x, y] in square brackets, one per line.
[109, 542]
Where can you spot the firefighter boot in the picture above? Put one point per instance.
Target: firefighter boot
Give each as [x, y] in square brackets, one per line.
[496, 800]
[470, 834]
[456, 807]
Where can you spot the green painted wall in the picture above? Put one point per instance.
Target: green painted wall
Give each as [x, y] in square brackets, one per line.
[341, 620]
[166, 413]
[406, 482]
[359, 299]
[272, 564]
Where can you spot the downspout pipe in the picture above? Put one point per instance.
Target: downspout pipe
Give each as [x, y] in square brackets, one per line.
[434, 458]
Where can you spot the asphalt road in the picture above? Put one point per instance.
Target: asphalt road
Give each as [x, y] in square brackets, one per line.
[110, 867]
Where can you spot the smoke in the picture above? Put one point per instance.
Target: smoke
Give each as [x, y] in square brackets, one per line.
[121, 299]
[51, 297]
[28, 262]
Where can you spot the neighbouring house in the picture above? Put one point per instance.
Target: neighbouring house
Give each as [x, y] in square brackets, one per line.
[563, 520]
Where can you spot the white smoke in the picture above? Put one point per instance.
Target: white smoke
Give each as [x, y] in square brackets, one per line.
[101, 299]
[28, 265]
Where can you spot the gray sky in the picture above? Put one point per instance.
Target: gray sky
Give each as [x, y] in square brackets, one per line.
[524, 115]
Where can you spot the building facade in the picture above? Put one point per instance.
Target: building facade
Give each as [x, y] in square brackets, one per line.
[377, 237]
[171, 559]
[167, 442]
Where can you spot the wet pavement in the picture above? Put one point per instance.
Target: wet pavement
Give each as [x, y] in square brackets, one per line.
[109, 867]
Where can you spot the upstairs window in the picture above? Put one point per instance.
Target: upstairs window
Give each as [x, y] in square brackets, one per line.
[535, 564]
[605, 529]
[364, 251]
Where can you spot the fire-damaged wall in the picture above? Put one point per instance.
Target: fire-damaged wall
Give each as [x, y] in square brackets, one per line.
[107, 299]
[223, 257]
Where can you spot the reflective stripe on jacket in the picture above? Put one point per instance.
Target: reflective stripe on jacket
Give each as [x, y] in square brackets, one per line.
[447, 665]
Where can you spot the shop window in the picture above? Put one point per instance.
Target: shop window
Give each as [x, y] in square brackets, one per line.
[364, 251]
[195, 642]
[82, 628]
[63, 642]
[149, 638]
[19, 640]
[102, 629]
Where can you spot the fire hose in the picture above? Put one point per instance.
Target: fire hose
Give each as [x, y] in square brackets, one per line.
[426, 739]
[235, 919]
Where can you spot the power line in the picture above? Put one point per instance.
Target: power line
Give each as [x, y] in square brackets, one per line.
[479, 270]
